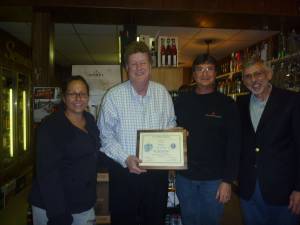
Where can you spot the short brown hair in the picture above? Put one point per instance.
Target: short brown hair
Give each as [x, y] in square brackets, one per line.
[135, 47]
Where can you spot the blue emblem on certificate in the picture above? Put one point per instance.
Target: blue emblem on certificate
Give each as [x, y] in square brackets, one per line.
[148, 147]
[173, 145]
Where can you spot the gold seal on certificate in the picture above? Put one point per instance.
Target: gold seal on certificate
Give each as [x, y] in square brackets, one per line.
[162, 149]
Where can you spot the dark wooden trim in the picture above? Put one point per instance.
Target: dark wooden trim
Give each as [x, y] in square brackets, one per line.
[232, 14]
[268, 7]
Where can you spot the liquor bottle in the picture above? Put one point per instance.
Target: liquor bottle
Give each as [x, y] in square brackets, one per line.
[220, 87]
[223, 67]
[227, 86]
[163, 52]
[29, 216]
[264, 51]
[291, 42]
[237, 61]
[168, 219]
[174, 52]
[281, 45]
[153, 54]
[227, 68]
[233, 84]
[232, 62]
[257, 51]
[168, 53]
[275, 47]
[270, 49]
[238, 81]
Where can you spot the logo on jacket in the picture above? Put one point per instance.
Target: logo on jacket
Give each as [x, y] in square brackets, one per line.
[213, 115]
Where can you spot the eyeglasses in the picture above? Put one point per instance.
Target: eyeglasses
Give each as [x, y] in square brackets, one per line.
[136, 65]
[74, 95]
[204, 69]
[256, 75]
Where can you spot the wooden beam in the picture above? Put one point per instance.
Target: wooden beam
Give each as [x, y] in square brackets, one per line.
[266, 7]
[231, 14]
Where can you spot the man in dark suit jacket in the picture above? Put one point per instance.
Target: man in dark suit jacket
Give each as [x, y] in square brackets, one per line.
[269, 177]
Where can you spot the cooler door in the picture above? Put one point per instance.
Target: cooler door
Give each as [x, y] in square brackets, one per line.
[7, 118]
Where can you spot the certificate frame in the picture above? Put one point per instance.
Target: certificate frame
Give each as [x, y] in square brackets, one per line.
[162, 149]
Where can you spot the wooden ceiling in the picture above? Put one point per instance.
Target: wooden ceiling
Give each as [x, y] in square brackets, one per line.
[200, 17]
[229, 14]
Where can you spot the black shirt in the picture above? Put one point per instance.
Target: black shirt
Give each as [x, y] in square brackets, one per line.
[212, 121]
[66, 167]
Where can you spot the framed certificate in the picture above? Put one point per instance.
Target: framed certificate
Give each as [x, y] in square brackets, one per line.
[162, 149]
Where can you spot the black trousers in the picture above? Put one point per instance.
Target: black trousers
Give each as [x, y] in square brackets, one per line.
[137, 199]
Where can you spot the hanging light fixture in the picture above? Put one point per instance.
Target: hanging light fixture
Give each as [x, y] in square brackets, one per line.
[208, 42]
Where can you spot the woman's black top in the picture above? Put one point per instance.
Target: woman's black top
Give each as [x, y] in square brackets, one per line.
[66, 161]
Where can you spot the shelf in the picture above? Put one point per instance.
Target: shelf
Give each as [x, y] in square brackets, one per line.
[269, 62]
[284, 58]
[238, 94]
[230, 74]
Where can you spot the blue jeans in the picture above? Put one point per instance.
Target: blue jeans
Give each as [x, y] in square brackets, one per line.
[85, 218]
[257, 212]
[198, 202]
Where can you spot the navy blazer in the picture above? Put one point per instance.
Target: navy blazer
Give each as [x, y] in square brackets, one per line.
[271, 155]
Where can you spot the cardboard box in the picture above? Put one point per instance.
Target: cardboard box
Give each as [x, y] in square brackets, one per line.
[102, 202]
[170, 58]
[145, 39]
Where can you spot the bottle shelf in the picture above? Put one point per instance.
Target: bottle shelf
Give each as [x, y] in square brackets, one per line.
[269, 62]
[283, 58]
[230, 74]
[237, 94]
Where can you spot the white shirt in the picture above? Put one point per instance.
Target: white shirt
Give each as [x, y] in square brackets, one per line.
[123, 112]
[257, 108]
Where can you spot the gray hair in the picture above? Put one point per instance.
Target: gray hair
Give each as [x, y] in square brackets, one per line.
[253, 61]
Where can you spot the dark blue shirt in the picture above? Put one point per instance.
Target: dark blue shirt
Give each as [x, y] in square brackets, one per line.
[65, 166]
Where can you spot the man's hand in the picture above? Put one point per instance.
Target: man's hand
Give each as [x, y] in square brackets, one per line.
[132, 163]
[294, 205]
[224, 192]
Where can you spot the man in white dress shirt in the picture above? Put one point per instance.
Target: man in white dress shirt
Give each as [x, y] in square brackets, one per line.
[137, 196]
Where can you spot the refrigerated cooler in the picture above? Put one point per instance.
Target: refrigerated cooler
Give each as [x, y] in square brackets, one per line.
[15, 119]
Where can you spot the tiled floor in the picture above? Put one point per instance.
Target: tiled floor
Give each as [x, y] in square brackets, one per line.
[16, 211]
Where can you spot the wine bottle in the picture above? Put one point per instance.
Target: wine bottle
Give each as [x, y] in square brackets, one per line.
[168, 53]
[174, 52]
[163, 52]
[153, 54]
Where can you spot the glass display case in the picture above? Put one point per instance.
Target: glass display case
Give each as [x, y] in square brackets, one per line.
[23, 113]
[14, 117]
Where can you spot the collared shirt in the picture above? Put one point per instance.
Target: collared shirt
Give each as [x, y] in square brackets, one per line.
[123, 112]
[256, 109]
